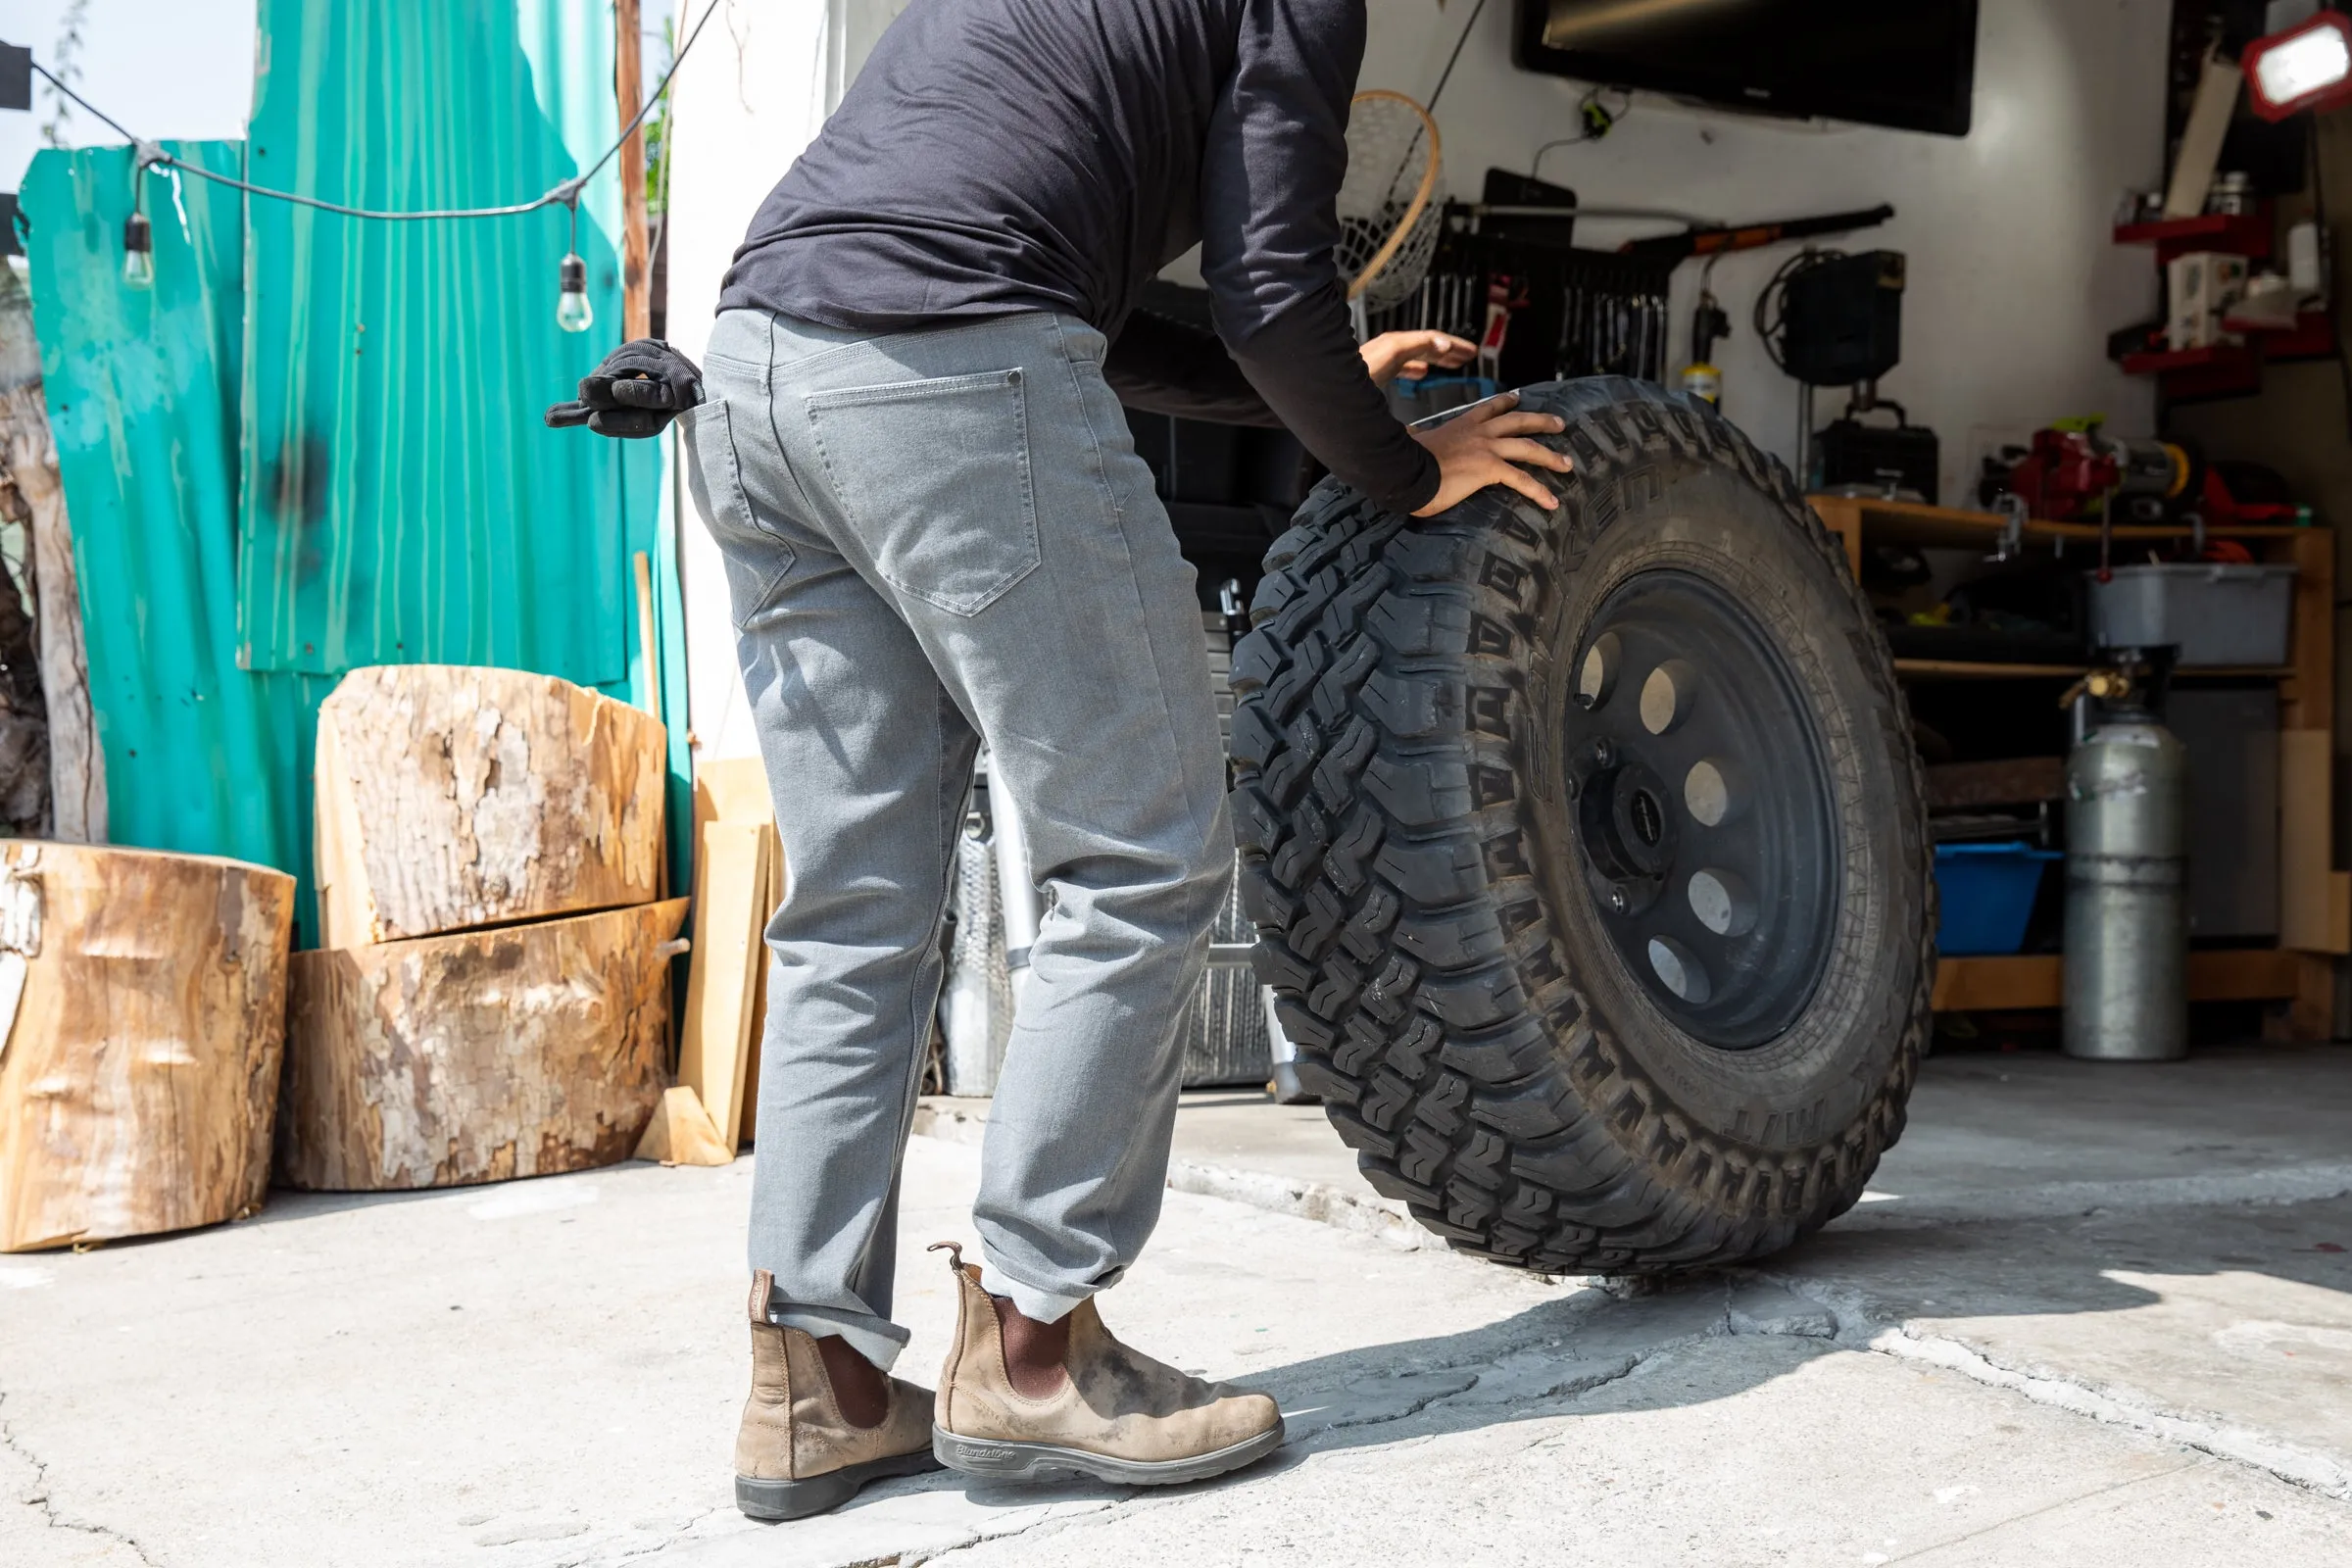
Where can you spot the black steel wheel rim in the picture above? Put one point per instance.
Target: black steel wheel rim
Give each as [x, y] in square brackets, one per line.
[1703, 813]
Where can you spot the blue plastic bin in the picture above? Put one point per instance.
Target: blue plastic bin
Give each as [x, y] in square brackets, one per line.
[1985, 892]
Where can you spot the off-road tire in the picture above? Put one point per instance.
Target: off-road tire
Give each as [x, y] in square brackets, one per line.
[1411, 857]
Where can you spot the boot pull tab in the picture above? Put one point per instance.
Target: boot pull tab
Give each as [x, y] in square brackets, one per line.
[955, 1251]
[763, 1289]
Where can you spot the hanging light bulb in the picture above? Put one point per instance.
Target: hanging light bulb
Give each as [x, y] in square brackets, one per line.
[138, 252]
[574, 312]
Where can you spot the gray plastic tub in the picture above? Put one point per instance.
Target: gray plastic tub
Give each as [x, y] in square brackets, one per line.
[2218, 615]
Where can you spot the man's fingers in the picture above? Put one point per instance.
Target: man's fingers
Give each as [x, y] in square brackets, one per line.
[562, 415]
[628, 423]
[1527, 484]
[1525, 423]
[640, 393]
[1534, 453]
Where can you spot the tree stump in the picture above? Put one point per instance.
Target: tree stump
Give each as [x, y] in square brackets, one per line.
[142, 1014]
[452, 798]
[521, 1050]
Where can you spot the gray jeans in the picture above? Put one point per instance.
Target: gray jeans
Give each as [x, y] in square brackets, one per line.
[930, 538]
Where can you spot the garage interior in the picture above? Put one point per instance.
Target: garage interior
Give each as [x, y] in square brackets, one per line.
[1971, 437]
[1964, 328]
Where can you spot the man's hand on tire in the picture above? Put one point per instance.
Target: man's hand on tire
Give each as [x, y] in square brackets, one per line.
[641, 387]
[1486, 444]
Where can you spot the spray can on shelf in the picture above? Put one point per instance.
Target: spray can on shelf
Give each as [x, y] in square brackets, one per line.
[2127, 880]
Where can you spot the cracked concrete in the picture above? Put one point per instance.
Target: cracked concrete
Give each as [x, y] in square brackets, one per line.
[51, 1538]
[1971, 1369]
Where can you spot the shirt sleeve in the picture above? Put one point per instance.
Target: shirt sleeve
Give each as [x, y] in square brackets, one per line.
[1269, 211]
[1166, 366]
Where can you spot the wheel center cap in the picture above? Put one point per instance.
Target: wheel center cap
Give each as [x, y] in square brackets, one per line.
[1649, 819]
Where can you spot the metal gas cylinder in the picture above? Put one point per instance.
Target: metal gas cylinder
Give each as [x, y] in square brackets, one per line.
[2127, 892]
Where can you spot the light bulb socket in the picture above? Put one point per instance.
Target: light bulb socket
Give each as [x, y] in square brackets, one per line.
[574, 312]
[137, 233]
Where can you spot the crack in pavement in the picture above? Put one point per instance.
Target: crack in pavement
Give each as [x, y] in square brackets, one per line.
[1999, 1525]
[39, 1498]
[1863, 1326]
[675, 1537]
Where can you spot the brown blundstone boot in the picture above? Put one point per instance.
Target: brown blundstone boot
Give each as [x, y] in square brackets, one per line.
[796, 1454]
[1118, 1416]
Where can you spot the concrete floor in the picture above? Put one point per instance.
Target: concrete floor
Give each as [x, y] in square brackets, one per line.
[2090, 1315]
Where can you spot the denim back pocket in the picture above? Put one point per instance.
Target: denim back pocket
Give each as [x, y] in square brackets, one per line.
[933, 477]
[756, 560]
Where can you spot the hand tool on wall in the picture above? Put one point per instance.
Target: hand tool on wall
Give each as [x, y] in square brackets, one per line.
[1754, 237]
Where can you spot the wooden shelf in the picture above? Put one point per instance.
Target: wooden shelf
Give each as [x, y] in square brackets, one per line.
[2315, 900]
[2032, 980]
[1909, 523]
[1975, 669]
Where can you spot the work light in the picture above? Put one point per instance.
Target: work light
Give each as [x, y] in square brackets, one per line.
[2308, 66]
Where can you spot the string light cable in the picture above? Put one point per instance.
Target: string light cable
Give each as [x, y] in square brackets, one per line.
[573, 311]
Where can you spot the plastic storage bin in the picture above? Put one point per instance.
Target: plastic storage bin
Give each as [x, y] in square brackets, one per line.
[2216, 613]
[1985, 892]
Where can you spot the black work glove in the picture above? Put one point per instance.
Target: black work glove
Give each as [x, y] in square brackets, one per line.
[636, 392]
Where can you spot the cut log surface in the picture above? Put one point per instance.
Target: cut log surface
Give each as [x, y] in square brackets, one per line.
[142, 1015]
[452, 798]
[523, 1051]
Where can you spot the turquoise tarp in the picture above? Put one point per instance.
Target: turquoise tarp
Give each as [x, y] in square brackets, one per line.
[142, 392]
[403, 501]
[317, 443]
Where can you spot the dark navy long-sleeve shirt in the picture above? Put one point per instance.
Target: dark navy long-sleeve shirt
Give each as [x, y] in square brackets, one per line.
[996, 156]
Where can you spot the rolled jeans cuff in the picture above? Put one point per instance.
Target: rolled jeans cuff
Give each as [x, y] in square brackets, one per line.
[1039, 1306]
[878, 1341]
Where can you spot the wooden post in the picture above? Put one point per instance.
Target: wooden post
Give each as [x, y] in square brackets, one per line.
[645, 635]
[628, 85]
[2315, 898]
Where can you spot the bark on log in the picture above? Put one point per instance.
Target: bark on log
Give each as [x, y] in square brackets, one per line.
[142, 1012]
[452, 798]
[523, 1051]
[77, 765]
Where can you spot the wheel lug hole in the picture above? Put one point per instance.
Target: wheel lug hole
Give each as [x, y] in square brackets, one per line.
[1722, 901]
[1667, 695]
[1679, 970]
[1618, 901]
[1712, 792]
[1596, 676]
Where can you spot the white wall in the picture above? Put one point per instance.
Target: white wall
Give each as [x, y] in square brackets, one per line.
[2014, 281]
[746, 100]
[750, 96]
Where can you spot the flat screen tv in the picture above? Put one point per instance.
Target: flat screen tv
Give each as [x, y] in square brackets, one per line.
[1910, 64]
